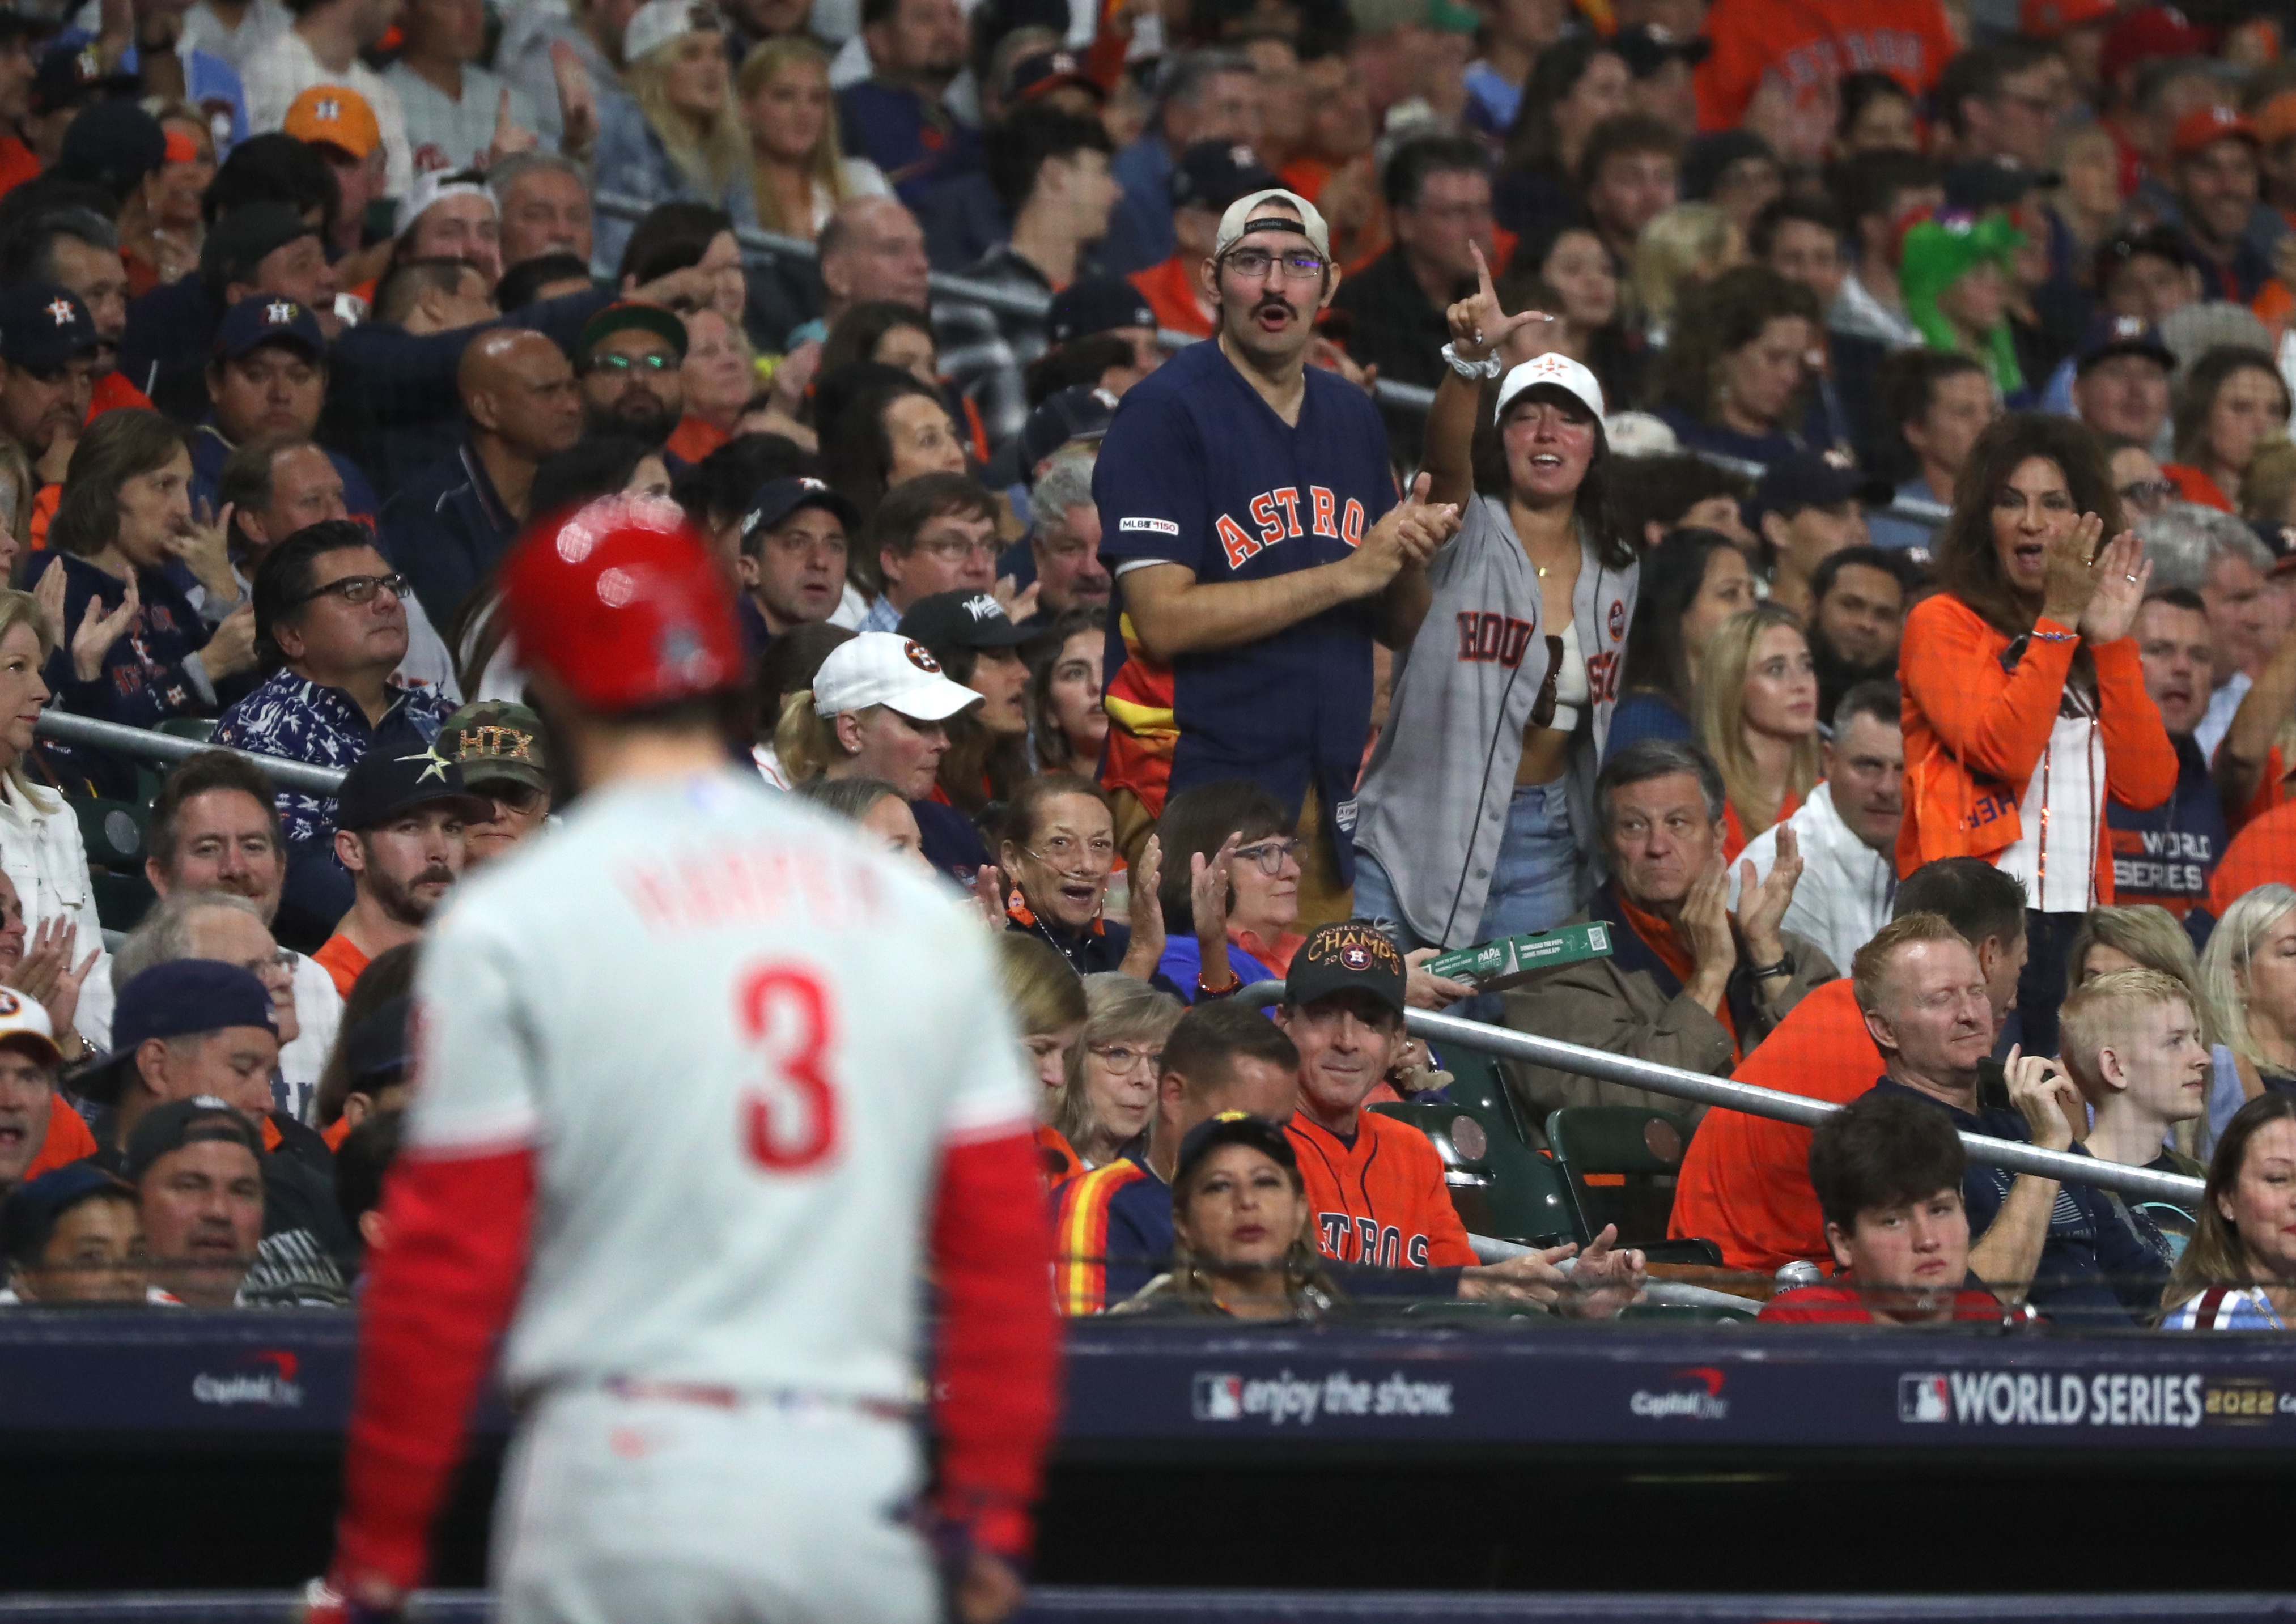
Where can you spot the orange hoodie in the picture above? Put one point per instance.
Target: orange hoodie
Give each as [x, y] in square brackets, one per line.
[1975, 732]
[1808, 45]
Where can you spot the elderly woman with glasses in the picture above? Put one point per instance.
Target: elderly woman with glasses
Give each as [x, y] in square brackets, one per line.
[126, 644]
[1230, 889]
[1058, 850]
[1112, 1068]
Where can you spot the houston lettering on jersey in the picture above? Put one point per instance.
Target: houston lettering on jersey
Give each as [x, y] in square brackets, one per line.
[1277, 515]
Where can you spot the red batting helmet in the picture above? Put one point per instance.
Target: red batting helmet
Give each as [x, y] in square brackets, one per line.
[619, 602]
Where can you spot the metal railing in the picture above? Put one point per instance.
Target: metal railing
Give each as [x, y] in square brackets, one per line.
[773, 245]
[146, 746]
[1757, 1101]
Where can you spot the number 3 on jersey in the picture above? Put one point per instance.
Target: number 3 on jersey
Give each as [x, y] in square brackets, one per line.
[790, 1118]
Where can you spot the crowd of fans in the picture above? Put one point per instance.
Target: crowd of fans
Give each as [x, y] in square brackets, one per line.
[1261, 493]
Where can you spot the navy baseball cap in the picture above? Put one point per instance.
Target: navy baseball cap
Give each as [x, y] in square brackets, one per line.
[42, 326]
[1234, 1127]
[1810, 479]
[177, 1123]
[1213, 174]
[2122, 335]
[176, 999]
[268, 319]
[1033, 78]
[775, 500]
[1082, 410]
[35, 1207]
[116, 145]
[391, 779]
[945, 621]
[70, 75]
[1096, 304]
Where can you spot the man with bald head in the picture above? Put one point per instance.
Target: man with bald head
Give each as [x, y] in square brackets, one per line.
[872, 248]
[521, 405]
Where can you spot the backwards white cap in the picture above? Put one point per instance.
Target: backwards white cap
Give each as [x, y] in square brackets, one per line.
[1239, 219]
[658, 21]
[1553, 368]
[887, 668]
[436, 186]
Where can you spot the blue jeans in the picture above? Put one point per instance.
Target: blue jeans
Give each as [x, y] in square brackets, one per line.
[1534, 884]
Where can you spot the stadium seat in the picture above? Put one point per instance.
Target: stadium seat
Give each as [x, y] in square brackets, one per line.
[1618, 1163]
[1498, 1188]
[1475, 1081]
[200, 727]
[112, 831]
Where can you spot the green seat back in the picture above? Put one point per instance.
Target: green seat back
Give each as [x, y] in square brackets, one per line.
[1635, 1154]
[200, 727]
[1475, 1081]
[112, 831]
[121, 900]
[1499, 1187]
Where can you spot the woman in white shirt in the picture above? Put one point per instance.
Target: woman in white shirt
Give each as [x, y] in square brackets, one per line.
[40, 848]
[799, 173]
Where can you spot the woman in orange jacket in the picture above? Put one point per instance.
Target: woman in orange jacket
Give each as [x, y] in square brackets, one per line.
[2024, 702]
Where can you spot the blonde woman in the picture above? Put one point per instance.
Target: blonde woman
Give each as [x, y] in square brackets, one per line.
[1047, 999]
[18, 486]
[1112, 1066]
[40, 849]
[2248, 976]
[1689, 243]
[677, 135]
[798, 174]
[1757, 719]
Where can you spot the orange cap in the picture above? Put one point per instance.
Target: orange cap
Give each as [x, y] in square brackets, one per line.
[2206, 126]
[338, 116]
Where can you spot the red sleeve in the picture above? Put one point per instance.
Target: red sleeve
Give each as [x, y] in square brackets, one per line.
[435, 1301]
[998, 1366]
[2140, 763]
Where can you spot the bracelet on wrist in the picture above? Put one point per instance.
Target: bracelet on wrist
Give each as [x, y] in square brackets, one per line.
[1771, 972]
[1204, 990]
[1490, 367]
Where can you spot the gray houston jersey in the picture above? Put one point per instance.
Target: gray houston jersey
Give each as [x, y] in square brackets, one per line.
[1434, 799]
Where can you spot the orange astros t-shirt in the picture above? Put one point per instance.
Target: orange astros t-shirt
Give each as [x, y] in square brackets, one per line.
[1381, 1199]
[69, 1139]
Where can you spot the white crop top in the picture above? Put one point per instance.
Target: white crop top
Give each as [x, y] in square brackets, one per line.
[1569, 681]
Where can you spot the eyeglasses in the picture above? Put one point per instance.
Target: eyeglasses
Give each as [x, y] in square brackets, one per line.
[1122, 1057]
[620, 366]
[949, 549]
[518, 798]
[1269, 854]
[2148, 493]
[1299, 265]
[358, 589]
[281, 960]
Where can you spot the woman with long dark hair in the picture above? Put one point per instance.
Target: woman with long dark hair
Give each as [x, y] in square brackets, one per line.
[1735, 379]
[2238, 1272]
[2231, 402]
[1241, 1246]
[2024, 699]
[1694, 581]
[1475, 818]
[1575, 85]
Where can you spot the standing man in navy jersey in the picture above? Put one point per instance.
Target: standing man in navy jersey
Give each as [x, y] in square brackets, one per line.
[1249, 518]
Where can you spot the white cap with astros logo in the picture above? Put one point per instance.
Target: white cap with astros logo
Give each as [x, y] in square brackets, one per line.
[1556, 370]
[1242, 218]
[886, 668]
[24, 1024]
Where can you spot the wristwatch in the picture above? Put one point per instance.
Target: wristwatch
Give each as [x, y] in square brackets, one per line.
[1771, 972]
[1490, 367]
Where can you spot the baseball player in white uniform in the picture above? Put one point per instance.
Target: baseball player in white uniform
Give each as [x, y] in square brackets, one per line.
[701, 1078]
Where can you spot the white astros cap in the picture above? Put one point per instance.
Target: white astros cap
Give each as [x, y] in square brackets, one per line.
[886, 668]
[436, 186]
[658, 21]
[1238, 219]
[1558, 370]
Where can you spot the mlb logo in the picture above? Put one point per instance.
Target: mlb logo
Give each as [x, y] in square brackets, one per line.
[1218, 1396]
[1922, 1398]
